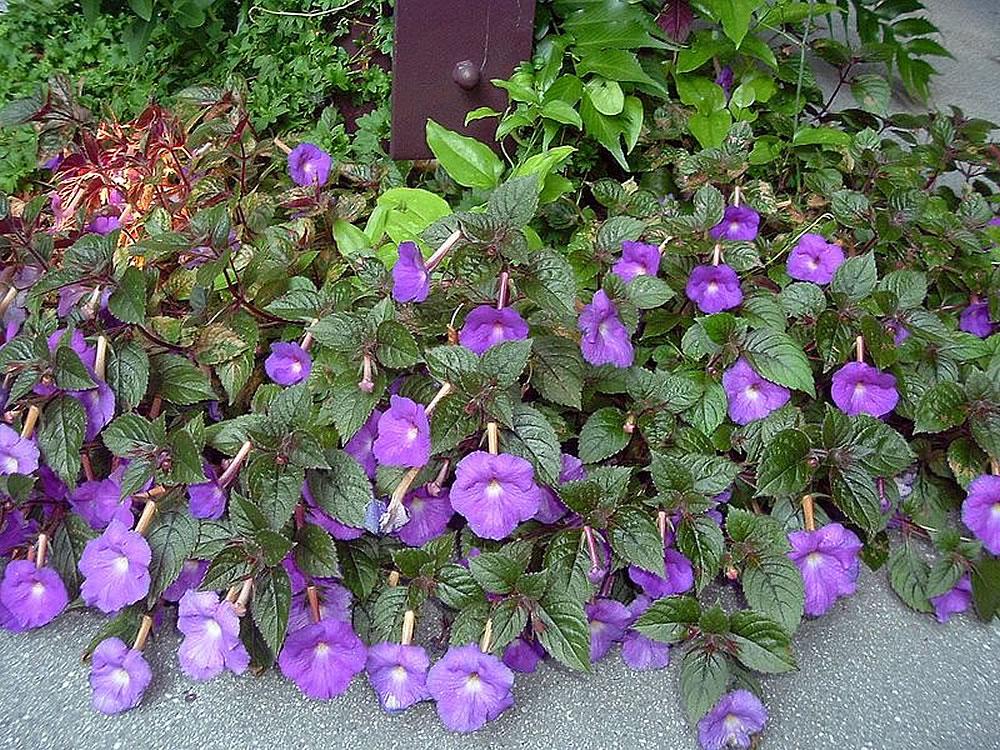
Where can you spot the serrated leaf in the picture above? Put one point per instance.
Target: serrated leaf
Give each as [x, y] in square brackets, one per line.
[60, 439]
[603, 435]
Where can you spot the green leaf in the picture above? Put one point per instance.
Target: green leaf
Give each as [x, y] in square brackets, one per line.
[648, 292]
[908, 575]
[273, 546]
[68, 543]
[783, 466]
[276, 489]
[603, 435]
[772, 585]
[359, 563]
[396, 348]
[128, 300]
[636, 539]
[778, 358]
[871, 92]
[606, 96]
[549, 282]
[557, 370]
[272, 597]
[456, 587]
[496, 572]
[669, 619]
[180, 381]
[704, 677]
[700, 540]
[986, 587]
[171, 538]
[504, 363]
[514, 203]
[823, 136]
[128, 374]
[853, 491]
[942, 407]
[856, 277]
[563, 630]
[315, 552]
[451, 364]
[60, 439]
[467, 161]
[70, 373]
[344, 491]
[762, 644]
[534, 439]
[130, 435]
[710, 129]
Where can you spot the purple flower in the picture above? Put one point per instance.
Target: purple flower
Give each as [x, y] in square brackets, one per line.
[638, 259]
[99, 406]
[859, 388]
[975, 319]
[981, 511]
[638, 651]
[360, 446]
[288, 363]
[814, 259]
[309, 165]
[334, 604]
[470, 687]
[679, 576]
[429, 515]
[714, 288]
[211, 631]
[900, 333]
[608, 621]
[119, 675]
[739, 223]
[207, 499]
[725, 80]
[15, 530]
[191, 575]
[17, 455]
[410, 277]
[828, 561]
[323, 658]
[732, 721]
[104, 224]
[99, 501]
[398, 675]
[115, 566]
[605, 339]
[33, 596]
[486, 326]
[523, 655]
[494, 492]
[749, 395]
[404, 434]
[953, 602]
[318, 516]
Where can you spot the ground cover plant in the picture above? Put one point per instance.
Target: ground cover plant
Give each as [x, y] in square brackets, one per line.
[668, 385]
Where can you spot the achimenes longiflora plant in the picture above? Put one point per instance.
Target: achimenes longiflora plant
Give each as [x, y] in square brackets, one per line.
[442, 460]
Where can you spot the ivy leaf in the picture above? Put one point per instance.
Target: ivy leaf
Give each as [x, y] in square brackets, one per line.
[563, 630]
[783, 466]
[344, 490]
[272, 597]
[64, 424]
[704, 677]
[603, 435]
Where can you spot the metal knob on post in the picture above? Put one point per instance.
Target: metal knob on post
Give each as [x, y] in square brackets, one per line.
[466, 74]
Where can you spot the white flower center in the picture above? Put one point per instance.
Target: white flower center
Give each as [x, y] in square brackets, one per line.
[734, 226]
[213, 630]
[859, 389]
[494, 489]
[497, 331]
[814, 559]
[712, 287]
[411, 434]
[603, 329]
[322, 649]
[9, 465]
[120, 677]
[398, 673]
[38, 588]
[813, 263]
[752, 392]
[121, 564]
[296, 367]
[474, 684]
[995, 510]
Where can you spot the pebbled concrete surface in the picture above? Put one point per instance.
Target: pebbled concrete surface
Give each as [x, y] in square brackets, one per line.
[874, 676]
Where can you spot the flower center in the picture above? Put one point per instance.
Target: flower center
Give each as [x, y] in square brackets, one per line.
[474, 684]
[752, 392]
[120, 677]
[497, 331]
[712, 288]
[603, 329]
[411, 434]
[213, 630]
[121, 564]
[494, 489]
[995, 510]
[9, 465]
[296, 366]
[814, 559]
[813, 263]
[38, 588]
[734, 226]
[398, 673]
[859, 389]
[322, 649]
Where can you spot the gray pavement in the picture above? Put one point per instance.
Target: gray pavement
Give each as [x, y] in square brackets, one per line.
[873, 676]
